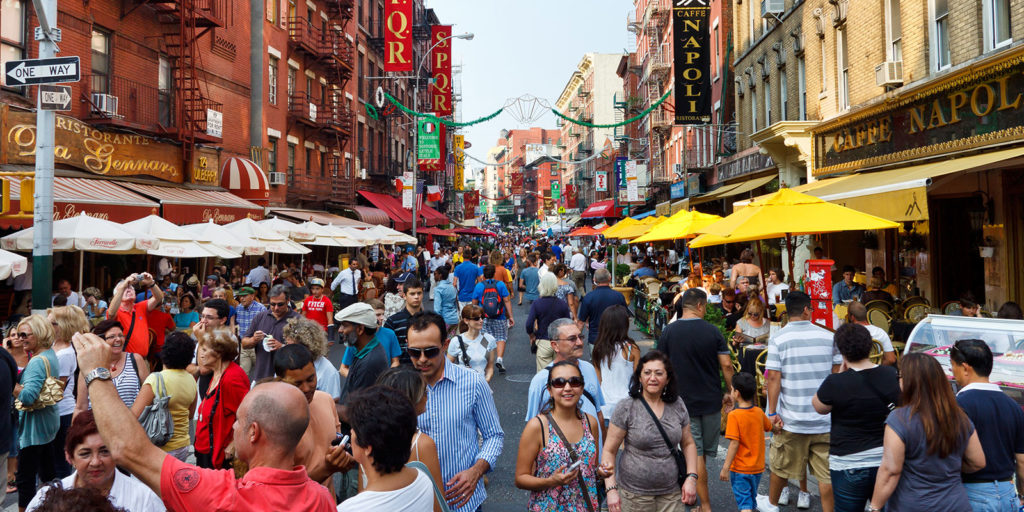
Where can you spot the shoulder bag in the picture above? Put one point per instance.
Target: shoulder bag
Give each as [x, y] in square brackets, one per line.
[465, 354]
[156, 418]
[51, 392]
[437, 492]
[573, 457]
[673, 449]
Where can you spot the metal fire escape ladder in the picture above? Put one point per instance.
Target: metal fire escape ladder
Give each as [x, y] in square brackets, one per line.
[179, 40]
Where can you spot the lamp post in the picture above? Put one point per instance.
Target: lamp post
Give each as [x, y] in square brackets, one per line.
[415, 106]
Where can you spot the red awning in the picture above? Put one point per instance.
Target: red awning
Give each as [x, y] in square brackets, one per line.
[601, 209]
[433, 231]
[95, 197]
[370, 215]
[322, 217]
[245, 179]
[473, 232]
[432, 217]
[192, 206]
[401, 217]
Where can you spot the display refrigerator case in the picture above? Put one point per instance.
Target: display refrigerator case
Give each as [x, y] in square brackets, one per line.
[935, 334]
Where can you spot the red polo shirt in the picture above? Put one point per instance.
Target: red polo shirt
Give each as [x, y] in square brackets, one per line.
[187, 487]
[318, 309]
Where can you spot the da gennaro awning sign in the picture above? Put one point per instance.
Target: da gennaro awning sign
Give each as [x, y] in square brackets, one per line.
[43, 71]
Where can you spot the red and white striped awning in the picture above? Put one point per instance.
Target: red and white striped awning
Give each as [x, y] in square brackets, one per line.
[191, 206]
[98, 198]
[245, 179]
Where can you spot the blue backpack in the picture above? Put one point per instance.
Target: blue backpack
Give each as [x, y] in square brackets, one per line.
[491, 301]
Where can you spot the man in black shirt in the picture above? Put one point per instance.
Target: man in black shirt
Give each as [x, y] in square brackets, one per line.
[358, 328]
[399, 322]
[697, 351]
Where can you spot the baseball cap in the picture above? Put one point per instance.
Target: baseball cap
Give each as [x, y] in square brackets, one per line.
[245, 290]
[213, 277]
[316, 281]
[359, 313]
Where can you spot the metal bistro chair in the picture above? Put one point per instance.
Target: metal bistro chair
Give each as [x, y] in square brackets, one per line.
[950, 307]
[876, 352]
[880, 318]
[759, 365]
[916, 312]
[881, 304]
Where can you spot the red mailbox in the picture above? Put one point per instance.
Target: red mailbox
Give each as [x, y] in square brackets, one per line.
[818, 283]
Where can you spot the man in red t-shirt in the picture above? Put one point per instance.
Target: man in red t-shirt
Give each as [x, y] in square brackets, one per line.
[318, 307]
[132, 316]
[161, 323]
[270, 422]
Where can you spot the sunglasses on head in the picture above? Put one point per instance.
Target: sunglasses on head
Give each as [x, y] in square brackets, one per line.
[560, 382]
[429, 352]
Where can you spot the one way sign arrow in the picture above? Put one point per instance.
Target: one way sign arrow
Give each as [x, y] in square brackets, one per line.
[55, 97]
[42, 71]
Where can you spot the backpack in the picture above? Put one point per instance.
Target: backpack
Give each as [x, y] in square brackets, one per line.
[491, 301]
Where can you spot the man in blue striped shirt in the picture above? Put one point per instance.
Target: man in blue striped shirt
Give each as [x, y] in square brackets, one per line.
[459, 403]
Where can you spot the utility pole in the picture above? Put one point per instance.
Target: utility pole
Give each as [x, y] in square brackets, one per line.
[42, 239]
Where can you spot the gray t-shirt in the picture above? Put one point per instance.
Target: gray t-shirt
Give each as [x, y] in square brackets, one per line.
[646, 465]
[928, 482]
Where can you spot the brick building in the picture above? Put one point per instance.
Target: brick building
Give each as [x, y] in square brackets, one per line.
[522, 173]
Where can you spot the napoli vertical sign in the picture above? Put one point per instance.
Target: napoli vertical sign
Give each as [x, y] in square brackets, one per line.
[691, 43]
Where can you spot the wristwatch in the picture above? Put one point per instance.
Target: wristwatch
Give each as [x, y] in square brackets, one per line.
[99, 373]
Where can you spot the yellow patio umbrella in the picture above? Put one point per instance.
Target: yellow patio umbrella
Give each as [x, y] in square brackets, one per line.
[645, 225]
[683, 224]
[622, 224]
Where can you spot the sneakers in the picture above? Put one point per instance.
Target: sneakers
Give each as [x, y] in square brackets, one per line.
[784, 497]
[499, 366]
[803, 500]
[763, 505]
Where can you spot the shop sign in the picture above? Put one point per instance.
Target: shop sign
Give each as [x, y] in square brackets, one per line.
[206, 166]
[601, 181]
[750, 163]
[215, 123]
[678, 189]
[691, 45]
[977, 107]
[79, 145]
[397, 35]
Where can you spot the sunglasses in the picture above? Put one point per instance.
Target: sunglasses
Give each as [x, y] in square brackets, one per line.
[24, 335]
[278, 304]
[560, 382]
[429, 352]
[472, 318]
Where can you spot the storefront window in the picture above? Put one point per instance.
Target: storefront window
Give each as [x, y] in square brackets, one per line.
[12, 33]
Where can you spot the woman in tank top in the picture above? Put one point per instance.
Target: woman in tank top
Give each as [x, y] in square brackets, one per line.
[615, 357]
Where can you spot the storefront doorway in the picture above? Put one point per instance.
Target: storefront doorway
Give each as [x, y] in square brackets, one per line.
[958, 264]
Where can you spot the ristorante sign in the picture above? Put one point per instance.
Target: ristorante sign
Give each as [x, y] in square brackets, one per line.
[691, 44]
[977, 107]
[81, 146]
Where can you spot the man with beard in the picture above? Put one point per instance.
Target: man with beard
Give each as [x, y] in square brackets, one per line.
[359, 329]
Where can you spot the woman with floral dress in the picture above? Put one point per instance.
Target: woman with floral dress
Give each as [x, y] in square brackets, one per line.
[546, 463]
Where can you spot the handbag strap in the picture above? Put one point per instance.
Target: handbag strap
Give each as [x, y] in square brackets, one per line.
[573, 457]
[437, 492]
[131, 327]
[46, 364]
[465, 354]
[657, 423]
[161, 387]
[889, 404]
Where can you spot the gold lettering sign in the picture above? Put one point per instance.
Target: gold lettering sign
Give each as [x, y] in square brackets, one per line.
[205, 166]
[79, 145]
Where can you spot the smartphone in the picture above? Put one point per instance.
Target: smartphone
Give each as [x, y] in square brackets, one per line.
[574, 466]
[341, 440]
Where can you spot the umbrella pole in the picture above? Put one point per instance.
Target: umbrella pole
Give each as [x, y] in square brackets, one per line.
[81, 269]
[764, 286]
[789, 250]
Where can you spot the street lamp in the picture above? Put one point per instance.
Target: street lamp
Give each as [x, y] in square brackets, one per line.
[415, 106]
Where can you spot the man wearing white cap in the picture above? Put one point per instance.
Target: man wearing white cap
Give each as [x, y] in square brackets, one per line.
[359, 329]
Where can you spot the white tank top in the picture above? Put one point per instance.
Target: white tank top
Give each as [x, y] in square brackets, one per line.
[615, 376]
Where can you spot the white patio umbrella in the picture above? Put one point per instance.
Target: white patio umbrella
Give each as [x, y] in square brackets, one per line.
[270, 240]
[387, 233]
[365, 236]
[299, 232]
[329, 236]
[222, 237]
[175, 241]
[84, 233]
[11, 264]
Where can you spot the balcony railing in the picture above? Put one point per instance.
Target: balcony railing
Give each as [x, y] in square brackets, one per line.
[307, 186]
[200, 110]
[303, 107]
[304, 36]
[661, 120]
[335, 116]
[207, 13]
[120, 101]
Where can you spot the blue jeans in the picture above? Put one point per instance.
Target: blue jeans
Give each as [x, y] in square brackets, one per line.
[744, 489]
[992, 497]
[852, 488]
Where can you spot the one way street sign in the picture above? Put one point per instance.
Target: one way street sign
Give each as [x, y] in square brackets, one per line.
[55, 97]
[43, 71]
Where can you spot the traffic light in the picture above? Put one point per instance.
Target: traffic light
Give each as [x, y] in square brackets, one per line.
[28, 191]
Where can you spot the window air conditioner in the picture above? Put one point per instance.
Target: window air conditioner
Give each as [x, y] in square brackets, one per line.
[362, 174]
[105, 104]
[772, 8]
[889, 72]
[277, 178]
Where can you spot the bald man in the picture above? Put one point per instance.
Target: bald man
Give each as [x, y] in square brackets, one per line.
[859, 315]
[270, 422]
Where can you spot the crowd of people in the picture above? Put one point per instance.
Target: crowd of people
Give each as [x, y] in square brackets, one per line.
[256, 416]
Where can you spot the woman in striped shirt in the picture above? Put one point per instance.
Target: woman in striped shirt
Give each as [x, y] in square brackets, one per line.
[128, 370]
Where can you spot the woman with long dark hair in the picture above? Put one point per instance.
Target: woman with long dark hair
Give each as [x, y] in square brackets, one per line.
[929, 440]
[647, 468]
[615, 357]
[560, 437]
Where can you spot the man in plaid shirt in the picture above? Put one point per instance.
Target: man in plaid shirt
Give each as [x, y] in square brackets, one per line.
[246, 311]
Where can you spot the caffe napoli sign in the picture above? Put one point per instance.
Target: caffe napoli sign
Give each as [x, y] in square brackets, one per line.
[79, 145]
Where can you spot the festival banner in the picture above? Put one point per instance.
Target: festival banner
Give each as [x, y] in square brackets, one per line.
[434, 155]
[471, 200]
[517, 182]
[398, 35]
[691, 45]
[441, 70]
[570, 195]
[458, 148]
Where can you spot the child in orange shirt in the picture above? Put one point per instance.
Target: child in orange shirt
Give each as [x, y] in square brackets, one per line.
[745, 430]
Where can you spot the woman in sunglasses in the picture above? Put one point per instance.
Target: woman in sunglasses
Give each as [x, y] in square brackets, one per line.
[647, 470]
[557, 460]
[473, 348]
[753, 324]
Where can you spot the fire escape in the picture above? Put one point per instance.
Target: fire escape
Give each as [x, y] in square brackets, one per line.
[657, 66]
[320, 110]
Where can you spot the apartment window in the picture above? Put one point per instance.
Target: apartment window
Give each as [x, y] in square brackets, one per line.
[164, 91]
[801, 83]
[753, 16]
[12, 34]
[842, 69]
[997, 24]
[272, 154]
[753, 111]
[292, 79]
[323, 164]
[359, 75]
[309, 161]
[348, 167]
[783, 95]
[824, 68]
[272, 80]
[893, 30]
[272, 7]
[291, 159]
[100, 61]
[940, 33]
[309, 88]
[767, 103]
[716, 65]
[291, 8]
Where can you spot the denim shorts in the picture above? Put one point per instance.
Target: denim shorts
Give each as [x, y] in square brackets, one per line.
[744, 489]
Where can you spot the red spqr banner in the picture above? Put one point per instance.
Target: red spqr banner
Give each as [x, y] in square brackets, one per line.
[398, 35]
[441, 70]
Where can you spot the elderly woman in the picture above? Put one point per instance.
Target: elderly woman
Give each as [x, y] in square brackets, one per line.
[37, 427]
[127, 369]
[95, 469]
[928, 442]
[543, 311]
[859, 400]
[311, 334]
[177, 384]
[221, 398]
[66, 321]
[647, 473]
